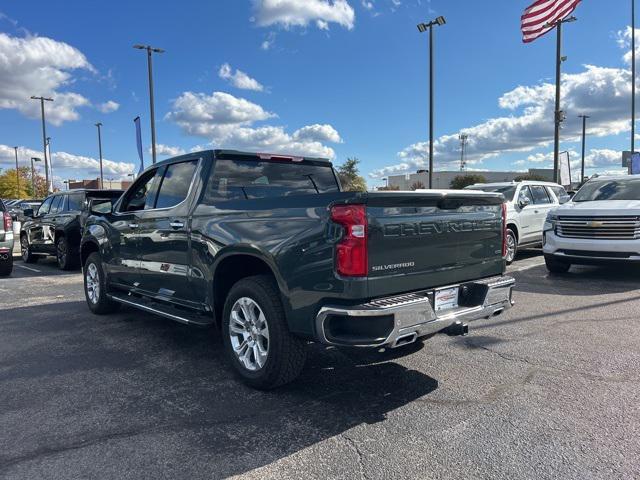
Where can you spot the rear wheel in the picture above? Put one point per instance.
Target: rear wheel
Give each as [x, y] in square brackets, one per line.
[256, 336]
[6, 265]
[25, 251]
[556, 266]
[512, 246]
[95, 287]
[66, 255]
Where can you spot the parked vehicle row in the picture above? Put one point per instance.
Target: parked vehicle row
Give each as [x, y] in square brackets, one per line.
[271, 251]
[55, 228]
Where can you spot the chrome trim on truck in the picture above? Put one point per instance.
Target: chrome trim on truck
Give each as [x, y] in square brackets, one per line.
[414, 315]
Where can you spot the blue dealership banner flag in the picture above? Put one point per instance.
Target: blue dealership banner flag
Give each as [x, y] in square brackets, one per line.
[139, 142]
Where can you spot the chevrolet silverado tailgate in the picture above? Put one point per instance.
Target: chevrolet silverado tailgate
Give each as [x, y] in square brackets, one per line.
[432, 239]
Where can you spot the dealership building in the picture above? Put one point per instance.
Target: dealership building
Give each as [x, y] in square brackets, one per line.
[444, 179]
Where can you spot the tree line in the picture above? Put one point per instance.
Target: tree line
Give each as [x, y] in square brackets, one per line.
[22, 186]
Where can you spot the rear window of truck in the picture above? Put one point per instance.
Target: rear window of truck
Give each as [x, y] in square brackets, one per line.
[249, 179]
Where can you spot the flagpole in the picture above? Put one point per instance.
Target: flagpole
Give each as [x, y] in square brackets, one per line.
[558, 113]
[633, 75]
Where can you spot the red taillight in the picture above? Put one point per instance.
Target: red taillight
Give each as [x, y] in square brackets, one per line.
[504, 230]
[8, 222]
[352, 258]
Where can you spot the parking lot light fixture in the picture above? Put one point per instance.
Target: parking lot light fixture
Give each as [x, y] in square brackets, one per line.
[423, 27]
[44, 135]
[150, 50]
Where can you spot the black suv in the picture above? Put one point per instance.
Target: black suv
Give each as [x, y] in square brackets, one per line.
[55, 229]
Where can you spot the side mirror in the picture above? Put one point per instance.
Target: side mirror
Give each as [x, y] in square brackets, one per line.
[28, 212]
[523, 202]
[564, 199]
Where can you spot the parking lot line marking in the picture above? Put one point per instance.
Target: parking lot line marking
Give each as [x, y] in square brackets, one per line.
[29, 268]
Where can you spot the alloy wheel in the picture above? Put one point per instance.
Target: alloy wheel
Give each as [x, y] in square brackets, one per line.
[249, 333]
[24, 248]
[511, 248]
[92, 279]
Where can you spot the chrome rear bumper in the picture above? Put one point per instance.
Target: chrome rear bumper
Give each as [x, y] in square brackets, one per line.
[410, 316]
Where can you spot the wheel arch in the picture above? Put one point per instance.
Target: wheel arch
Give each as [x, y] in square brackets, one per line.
[232, 267]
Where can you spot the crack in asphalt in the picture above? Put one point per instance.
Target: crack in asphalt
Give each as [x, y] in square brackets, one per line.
[361, 463]
[512, 358]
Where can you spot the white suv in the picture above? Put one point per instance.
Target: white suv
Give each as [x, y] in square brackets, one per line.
[600, 225]
[528, 203]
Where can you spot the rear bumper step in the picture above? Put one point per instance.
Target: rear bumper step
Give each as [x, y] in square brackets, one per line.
[401, 319]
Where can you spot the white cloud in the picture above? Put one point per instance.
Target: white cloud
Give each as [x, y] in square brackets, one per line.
[367, 5]
[168, 150]
[299, 13]
[318, 133]
[269, 42]
[603, 93]
[40, 66]
[228, 122]
[239, 79]
[65, 165]
[214, 115]
[108, 107]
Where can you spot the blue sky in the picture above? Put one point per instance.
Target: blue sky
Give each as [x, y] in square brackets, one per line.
[339, 78]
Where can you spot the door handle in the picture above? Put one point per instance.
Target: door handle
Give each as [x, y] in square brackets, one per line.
[176, 224]
[133, 225]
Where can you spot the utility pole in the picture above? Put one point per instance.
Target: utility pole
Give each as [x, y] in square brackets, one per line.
[423, 27]
[17, 174]
[584, 135]
[44, 136]
[151, 50]
[100, 153]
[633, 77]
[33, 177]
[559, 114]
[463, 143]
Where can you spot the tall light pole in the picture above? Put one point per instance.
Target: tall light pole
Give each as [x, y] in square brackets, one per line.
[17, 174]
[584, 136]
[633, 76]
[151, 50]
[44, 136]
[33, 176]
[558, 114]
[423, 27]
[100, 153]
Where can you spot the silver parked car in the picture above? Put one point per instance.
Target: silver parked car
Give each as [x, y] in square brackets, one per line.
[6, 241]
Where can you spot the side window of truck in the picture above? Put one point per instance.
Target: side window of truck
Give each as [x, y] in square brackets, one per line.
[175, 184]
[136, 197]
[44, 208]
[75, 203]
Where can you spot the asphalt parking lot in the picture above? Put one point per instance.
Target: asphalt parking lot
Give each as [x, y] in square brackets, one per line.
[548, 390]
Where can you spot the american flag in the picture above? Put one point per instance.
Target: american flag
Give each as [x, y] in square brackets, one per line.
[541, 16]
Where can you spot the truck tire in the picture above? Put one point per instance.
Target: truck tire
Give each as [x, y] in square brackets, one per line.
[66, 255]
[6, 266]
[556, 266]
[95, 287]
[512, 246]
[25, 251]
[256, 336]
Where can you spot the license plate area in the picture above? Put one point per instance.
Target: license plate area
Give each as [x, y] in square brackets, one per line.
[445, 299]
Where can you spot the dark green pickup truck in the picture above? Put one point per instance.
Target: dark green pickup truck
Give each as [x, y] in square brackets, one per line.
[269, 249]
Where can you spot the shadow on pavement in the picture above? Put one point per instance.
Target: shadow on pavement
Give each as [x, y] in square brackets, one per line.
[79, 382]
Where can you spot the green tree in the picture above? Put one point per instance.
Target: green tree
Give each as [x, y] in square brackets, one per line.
[389, 188]
[417, 186]
[350, 177]
[9, 187]
[531, 176]
[461, 181]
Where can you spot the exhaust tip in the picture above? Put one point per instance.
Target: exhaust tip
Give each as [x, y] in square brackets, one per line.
[458, 329]
[405, 340]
